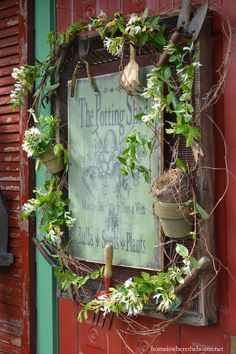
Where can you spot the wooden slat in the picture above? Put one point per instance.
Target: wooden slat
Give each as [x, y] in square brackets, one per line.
[7, 348]
[5, 148]
[7, 51]
[9, 118]
[9, 138]
[8, 167]
[5, 81]
[6, 13]
[4, 4]
[6, 90]
[10, 195]
[6, 109]
[10, 185]
[6, 42]
[5, 100]
[11, 60]
[6, 71]
[9, 300]
[9, 128]
[7, 32]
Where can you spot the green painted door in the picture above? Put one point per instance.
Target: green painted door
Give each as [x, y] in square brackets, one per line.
[46, 299]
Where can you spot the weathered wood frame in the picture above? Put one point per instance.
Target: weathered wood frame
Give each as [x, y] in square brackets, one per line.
[207, 313]
[205, 297]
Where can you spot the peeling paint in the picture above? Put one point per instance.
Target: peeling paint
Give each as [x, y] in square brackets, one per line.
[12, 22]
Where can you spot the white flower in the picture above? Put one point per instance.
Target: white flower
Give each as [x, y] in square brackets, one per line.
[137, 29]
[107, 42]
[133, 18]
[106, 310]
[128, 282]
[15, 73]
[69, 219]
[30, 207]
[55, 238]
[13, 94]
[54, 235]
[32, 132]
[146, 118]
[102, 14]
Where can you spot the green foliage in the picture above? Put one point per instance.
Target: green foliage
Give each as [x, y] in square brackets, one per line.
[136, 146]
[25, 77]
[129, 298]
[40, 138]
[175, 99]
[53, 209]
[66, 277]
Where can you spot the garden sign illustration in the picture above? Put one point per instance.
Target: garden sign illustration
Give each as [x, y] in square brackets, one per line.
[109, 207]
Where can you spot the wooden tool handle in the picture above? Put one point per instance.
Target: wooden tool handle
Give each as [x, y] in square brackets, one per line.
[108, 255]
[204, 263]
[176, 38]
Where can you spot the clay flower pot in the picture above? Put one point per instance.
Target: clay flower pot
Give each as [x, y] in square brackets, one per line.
[54, 164]
[174, 218]
[170, 191]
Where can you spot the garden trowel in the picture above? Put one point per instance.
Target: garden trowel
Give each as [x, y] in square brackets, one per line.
[187, 27]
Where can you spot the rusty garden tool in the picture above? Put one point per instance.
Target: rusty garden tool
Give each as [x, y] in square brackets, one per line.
[108, 255]
[82, 62]
[186, 28]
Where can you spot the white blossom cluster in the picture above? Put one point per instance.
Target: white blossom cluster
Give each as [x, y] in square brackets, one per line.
[69, 220]
[17, 93]
[128, 299]
[32, 138]
[30, 207]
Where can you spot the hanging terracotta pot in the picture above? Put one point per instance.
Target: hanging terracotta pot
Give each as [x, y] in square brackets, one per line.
[54, 164]
[174, 218]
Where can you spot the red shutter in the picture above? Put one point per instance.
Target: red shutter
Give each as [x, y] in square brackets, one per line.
[15, 287]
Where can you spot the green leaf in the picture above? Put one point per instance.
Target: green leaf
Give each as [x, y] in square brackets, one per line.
[122, 160]
[182, 250]
[146, 276]
[194, 262]
[52, 87]
[85, 315]
[201, 211]
[182, 165]
[80, 318]
[167, 73]
[37, 165]
[169, 98]
[180, 279]
[172, 58]
[159, 38]
[187, 118]
[153, 21]
[143, 38]
[145, 13]
[139, 116]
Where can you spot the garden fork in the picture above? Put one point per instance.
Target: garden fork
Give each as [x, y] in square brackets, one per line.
[186, 28]
[108, 255]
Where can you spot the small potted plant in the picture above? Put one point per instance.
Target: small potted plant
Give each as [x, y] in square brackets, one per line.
[56, 217]
[171, 191]
[40, 143]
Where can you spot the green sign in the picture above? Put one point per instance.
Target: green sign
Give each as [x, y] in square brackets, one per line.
[109, 207]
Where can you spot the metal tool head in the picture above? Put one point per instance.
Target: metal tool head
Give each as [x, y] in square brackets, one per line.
[196, 23]
[191, 28]
[184, 16]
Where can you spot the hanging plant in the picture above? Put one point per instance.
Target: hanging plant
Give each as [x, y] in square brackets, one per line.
[40, 143]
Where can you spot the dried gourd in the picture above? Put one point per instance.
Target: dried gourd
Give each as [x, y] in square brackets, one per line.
[130, 76]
